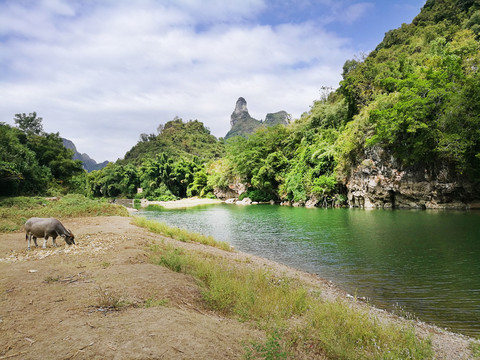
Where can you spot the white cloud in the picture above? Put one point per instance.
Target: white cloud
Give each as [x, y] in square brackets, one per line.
[58, 7]
[356, 11]
[218, 10]
[103, 75]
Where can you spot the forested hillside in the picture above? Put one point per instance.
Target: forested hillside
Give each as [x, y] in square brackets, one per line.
[417, 94]
[413, 112]
[166, 166]
[402, 129]
[176, 139]
[411, 106]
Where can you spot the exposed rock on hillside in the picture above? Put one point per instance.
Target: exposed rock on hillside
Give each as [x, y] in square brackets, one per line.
[280, 117]
[243, 124]
[88, 163]
[233, 192]
[379, 181]
[240, 113]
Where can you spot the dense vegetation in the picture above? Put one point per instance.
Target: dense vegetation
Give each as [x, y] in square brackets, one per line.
[177, 139]
[33, 161]
[416, 96]
[166, 166]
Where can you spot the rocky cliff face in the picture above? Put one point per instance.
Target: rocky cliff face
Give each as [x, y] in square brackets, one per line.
[88, 163]
[243, 124]
[381, 182]
[240, 113]
[233, 192]
[278, 118]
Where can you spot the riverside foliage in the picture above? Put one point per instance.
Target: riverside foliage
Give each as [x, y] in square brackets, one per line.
[416, 96]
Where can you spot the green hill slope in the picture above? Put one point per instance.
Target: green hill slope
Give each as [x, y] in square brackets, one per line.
[402, 129]
[417, 95]
[177, 139]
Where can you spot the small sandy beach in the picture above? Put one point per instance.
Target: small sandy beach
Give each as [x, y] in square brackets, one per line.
[183, 203]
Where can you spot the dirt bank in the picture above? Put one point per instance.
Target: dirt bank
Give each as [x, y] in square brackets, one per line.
[58, 303]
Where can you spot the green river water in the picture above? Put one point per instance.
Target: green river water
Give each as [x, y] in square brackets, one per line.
[424, 263]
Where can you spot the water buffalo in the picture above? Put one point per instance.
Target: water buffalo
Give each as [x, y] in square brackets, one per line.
[45, 227]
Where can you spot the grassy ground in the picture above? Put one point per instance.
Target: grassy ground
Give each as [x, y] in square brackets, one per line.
[14, 211]
[298, 320]
[179, 234]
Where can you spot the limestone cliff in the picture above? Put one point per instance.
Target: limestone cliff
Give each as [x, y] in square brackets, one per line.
[240, 114]
[243, 124]
[379, 181]
[280, 117]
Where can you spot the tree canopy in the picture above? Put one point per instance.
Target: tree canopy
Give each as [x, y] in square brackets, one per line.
[177, 139]
[32, 161]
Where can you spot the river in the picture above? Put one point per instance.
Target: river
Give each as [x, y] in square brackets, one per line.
[422, 263]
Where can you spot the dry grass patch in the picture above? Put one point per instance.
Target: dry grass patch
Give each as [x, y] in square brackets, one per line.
[109, 300]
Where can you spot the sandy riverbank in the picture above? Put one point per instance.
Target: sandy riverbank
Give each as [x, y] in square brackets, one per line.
[52, 300]
[182, 203]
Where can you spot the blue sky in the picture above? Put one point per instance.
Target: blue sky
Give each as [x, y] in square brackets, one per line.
[102, 72]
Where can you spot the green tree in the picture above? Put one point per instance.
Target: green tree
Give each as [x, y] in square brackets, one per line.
[177, 139]
[52, 154]
[20, 172]
[30, 124]
[113, 181]
[459, 130]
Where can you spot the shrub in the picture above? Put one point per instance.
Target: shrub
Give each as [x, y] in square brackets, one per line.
[257, 195]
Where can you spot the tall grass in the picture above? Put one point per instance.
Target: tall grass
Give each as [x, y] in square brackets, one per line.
[179, 234]
[309, 325]
[475, 348]
[14, 211]
[342, 331]
[235, 290]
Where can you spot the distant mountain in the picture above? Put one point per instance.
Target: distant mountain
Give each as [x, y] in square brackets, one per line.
[88, 163]
[243, 124]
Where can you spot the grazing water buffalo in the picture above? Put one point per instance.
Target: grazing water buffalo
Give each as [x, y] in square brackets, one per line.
[45, 227]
